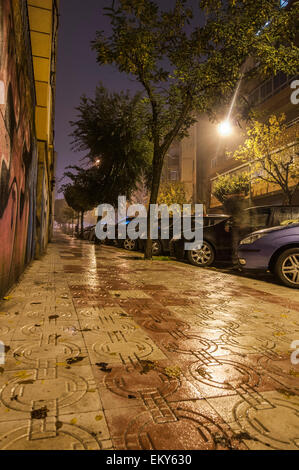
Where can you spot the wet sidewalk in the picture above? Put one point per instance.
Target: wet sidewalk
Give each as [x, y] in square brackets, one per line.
[107, 351]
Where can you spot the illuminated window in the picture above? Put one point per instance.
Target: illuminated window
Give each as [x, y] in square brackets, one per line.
[283, 3]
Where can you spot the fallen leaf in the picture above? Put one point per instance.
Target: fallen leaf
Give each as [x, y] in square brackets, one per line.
[73, 421]
[294, 372]
[98, 418]
[173, 371]
[103, 366]
[40, 413]
[74, 360]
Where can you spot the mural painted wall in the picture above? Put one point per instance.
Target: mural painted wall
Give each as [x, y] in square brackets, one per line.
[18, 148]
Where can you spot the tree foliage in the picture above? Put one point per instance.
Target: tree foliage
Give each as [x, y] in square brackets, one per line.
[272, 152]
[189, 66]
[173, 193]
[231, 184]
[112, 130]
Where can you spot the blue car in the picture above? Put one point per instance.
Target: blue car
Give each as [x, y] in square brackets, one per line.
[275, 249]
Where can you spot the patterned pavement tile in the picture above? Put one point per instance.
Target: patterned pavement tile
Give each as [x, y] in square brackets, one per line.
[104, 350]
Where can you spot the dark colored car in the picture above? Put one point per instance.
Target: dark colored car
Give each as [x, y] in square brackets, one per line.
[219, 239]
[216, 233]
[89, 233]
[275, 249]
[127, 243]
[160, 245]
[112, 241]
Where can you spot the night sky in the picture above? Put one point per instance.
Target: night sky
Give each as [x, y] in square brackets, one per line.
[78, 71]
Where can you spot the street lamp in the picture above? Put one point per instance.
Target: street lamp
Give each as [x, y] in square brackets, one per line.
[225, 128]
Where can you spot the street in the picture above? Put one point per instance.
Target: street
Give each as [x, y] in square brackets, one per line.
[104, 350]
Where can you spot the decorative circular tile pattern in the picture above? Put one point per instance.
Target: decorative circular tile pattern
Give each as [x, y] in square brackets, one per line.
[165, 325]
[189, 345]
[4, 330]
[188, 431]
[108, 325]
[223, 374]
[248, 342]
[269, 423]
[68, 437]
[122, 349]
[32, 352]
[65, 390]
[134, 380]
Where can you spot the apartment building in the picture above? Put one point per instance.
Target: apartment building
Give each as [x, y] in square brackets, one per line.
[28, 37]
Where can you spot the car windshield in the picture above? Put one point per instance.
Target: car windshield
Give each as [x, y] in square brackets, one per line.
[286, 215]
[257, 218]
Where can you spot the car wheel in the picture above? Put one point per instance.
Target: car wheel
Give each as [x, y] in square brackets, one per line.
[129, 244]
[203, 257]
[156, 248]
[287, 268]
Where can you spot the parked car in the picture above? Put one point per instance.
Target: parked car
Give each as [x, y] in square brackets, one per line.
[275, 249]
[216, 242]
[112, 241]
[218, 238]
[160, 245]
[88, 231]
[127, 243]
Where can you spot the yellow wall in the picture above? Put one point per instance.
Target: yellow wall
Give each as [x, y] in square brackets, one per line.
[43, 21]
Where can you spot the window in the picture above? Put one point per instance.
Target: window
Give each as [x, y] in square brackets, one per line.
[259, 217]
[266, 89]
[173, 175]
[214, 162]
[279, 80]
[283, 215]
[269, 88]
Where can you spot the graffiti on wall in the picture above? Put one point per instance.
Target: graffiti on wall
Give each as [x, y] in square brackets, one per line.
[18, 151]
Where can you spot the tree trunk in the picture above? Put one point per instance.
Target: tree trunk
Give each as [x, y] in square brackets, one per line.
[82, 224]
[78, 223]
[157, 171]
[287, 197]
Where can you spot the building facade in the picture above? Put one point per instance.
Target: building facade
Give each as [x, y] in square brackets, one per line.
[272, 96]
[27, 158]
[43, 24]
[204, 155]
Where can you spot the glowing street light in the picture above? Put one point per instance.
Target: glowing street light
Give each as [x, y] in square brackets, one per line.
[225, 128]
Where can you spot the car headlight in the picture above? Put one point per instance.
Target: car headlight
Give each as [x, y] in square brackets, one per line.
[252, 238]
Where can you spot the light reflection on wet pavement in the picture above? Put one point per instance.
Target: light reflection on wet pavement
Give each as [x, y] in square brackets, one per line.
[107, 351]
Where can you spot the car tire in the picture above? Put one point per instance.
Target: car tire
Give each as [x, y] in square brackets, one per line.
[157, 248]
[204, 257]
[129, 245]
[287, 268]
